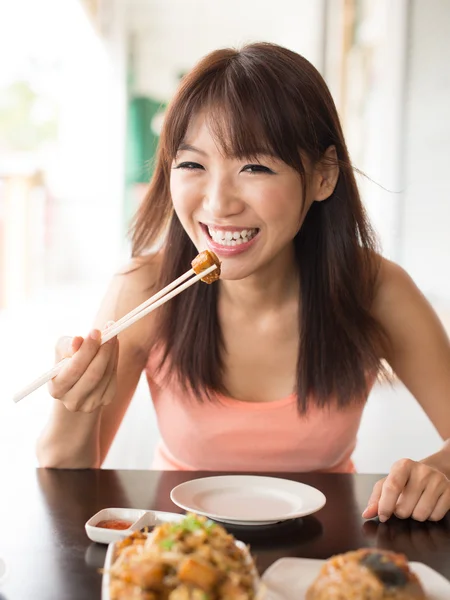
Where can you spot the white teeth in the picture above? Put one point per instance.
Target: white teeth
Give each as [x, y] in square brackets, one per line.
[232, 238]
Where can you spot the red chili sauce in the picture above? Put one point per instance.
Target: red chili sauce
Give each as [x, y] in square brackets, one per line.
[114, 524]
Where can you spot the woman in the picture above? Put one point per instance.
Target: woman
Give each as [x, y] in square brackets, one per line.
[268, 369]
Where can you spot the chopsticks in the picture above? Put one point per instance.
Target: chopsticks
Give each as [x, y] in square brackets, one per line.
[167, 293]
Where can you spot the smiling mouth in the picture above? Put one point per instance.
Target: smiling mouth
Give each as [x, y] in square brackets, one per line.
[230, 237]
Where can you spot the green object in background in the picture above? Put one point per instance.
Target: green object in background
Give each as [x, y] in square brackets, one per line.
[142, 141]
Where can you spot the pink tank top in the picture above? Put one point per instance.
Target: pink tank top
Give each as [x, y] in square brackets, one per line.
[232, 435]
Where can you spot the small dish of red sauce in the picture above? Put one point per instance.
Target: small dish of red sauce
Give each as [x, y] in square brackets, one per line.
[114, 524]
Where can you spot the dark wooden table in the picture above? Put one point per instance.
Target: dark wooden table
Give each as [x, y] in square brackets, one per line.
[43, 512]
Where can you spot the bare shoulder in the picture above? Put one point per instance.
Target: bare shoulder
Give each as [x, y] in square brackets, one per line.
[401, 307]
[418, 349]
[133, 283]
[393, 285]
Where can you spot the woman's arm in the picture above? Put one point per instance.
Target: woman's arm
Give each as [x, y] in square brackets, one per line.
[420, 347]
[74, 438]
[419, 354]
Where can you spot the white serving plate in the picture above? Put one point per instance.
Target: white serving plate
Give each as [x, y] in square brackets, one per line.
[249, 500]
[111, 555]
[139, 518]
[289, 578]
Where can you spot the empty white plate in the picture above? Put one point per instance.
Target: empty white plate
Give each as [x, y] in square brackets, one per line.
[248, 499]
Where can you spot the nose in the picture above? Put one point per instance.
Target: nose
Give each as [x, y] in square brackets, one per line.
[221, 199]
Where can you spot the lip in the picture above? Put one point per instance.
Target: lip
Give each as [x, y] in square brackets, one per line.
[227, 251]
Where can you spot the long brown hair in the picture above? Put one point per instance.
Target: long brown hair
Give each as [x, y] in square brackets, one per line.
[267, 98]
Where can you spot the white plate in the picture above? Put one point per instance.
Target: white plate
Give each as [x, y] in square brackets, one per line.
[289, 578]
[111, 556]
[139, 519]
[248, 499]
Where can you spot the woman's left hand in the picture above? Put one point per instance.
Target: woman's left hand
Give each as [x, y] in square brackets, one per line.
[412, 489]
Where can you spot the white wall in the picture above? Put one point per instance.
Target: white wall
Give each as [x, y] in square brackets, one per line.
[89, 174]
[425, 239]
[169, 37]
[365, 69]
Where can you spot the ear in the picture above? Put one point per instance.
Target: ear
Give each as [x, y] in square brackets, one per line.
[326, 174]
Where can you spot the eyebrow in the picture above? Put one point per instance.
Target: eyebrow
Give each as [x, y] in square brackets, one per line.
[183, 147]
[259, 152]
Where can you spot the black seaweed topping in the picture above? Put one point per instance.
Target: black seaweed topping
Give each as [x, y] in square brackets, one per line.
[390, 574]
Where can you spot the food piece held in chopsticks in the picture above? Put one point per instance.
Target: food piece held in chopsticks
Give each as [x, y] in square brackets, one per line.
[203, 261]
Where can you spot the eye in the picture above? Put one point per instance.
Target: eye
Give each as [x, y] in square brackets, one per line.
[257, 169]
[189, 166]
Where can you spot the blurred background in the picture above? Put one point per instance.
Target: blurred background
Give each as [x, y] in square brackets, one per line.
[83, 89]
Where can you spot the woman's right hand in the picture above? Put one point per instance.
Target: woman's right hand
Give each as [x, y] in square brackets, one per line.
[88, 380]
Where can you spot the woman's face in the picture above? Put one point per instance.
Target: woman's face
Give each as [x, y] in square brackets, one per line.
[246, 211]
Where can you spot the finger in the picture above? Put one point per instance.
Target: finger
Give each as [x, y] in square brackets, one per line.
[103, 394]
[76, 343]
[371, 510]
[442, 506]
[86, 394]
[434, 489]
[420, 478]
[407, 501]
[393, 486]
[66, 347]
[421, 493]
[78, 365]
